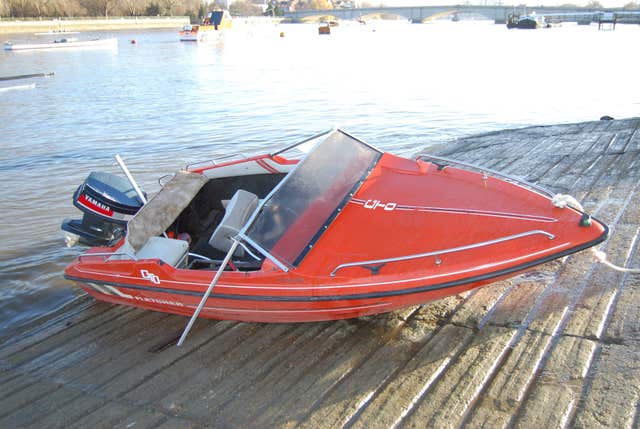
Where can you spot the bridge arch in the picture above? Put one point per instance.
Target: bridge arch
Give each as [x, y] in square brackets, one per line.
[417, 14]
[382, 15]
[318, 17]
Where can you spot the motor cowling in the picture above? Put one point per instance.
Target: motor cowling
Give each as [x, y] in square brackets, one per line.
[108, 202]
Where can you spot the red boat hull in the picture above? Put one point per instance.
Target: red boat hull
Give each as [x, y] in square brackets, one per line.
[472, 228]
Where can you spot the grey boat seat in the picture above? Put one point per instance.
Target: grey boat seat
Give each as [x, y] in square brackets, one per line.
[237, 213]
[168, 250]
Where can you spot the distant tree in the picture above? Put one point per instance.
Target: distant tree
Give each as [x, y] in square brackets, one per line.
[273, 9]
[133, 7]
[100, 7]
[168, 6]
[4, 8]
[631, 6]
[21, 8]
[152, 9]
[594, 4]
[244, 8]
[71, 8]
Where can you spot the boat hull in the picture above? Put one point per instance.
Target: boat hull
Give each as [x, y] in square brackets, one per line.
[200, 36]
[412, 232]
[93, 44]
[159, 287]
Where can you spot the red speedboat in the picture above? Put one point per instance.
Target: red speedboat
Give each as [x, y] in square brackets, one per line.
[346, 231]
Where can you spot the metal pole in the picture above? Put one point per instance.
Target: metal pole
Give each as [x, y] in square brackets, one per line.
[208, 292]
[131, 180]
[25, 76]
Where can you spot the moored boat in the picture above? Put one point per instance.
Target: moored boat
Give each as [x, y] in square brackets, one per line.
[64, 43]
[526, 22]
[56, 33]
[346, 231]
[209, 30]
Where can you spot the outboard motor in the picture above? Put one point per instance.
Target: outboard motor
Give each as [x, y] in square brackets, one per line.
[108, 203]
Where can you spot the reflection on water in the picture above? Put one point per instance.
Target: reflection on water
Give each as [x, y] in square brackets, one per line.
[161, 103]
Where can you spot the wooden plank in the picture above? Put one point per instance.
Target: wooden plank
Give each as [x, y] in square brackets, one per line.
[291, 385]
[129, 376]
[446, 404]
[107, 416]
[512, 311]
[624, 324]
[556, 392]
[183, 386]
[24, 397]
[475, 309]
[347, 399]
[408, 387]
[499, 403]
[75, 325]
[612, 398]
[61, 355]
[220, 408]
[39, 408]
[71, 313]
[595, 303]
[66, 413]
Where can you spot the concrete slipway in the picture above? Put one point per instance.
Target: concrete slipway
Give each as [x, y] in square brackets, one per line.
[556, 347]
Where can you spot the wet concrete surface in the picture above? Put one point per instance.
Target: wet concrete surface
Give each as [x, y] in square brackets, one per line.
[558, 346]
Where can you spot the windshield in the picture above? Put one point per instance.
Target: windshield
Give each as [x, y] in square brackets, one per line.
[308, 199]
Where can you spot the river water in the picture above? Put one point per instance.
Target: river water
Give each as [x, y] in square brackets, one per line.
[160, 103]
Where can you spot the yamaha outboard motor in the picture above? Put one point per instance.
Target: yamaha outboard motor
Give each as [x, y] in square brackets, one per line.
[108, 202]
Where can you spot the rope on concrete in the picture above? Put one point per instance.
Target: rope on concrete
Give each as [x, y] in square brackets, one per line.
[562, 201]
[602, 258]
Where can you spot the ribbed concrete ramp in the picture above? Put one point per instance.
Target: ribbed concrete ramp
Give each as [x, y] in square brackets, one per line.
[556, 347]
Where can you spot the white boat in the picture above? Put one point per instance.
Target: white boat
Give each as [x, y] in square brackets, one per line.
[64, 43]
[210, 29]
[56, 33]
[17, 87]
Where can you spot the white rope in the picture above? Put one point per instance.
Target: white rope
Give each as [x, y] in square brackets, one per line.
[602, 258]
[563, 201]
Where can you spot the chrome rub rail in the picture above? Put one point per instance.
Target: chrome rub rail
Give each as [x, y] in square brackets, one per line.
[381, 262]
[488, 171]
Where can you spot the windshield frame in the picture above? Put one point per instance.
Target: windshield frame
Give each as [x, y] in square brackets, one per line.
[284, 265]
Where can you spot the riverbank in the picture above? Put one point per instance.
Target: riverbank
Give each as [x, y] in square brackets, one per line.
[558, 346]
[92, 24]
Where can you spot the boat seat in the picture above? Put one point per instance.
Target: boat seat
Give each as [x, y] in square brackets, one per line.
[240, 208]
[168, 250]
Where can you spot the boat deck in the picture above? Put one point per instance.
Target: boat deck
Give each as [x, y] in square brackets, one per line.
[558, 346]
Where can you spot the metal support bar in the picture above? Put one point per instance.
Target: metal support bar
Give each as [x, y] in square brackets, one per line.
[440, 252]
[131, 179]
[300, 143]
[493, 173]
[105, 254]
[196, 313]
[215, 161]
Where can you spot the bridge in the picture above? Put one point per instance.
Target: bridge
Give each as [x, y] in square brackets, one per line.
[498, 13]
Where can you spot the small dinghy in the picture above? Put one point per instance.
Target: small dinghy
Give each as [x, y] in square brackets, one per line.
[64, 43]
[345, 231]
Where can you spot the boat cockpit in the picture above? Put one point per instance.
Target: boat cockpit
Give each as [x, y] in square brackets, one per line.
[193, 221]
